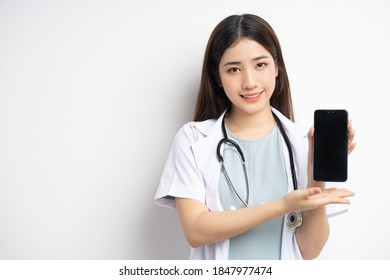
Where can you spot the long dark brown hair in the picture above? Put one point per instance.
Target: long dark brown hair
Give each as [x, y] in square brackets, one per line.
[212, 100]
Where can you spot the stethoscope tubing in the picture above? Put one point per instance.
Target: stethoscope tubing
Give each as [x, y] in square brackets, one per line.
[226, 139]
[245, 202]
[293, 219]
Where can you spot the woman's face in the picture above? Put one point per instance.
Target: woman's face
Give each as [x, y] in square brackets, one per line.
[248, 74]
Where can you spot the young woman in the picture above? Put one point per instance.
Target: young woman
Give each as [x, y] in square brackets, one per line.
[231, 210]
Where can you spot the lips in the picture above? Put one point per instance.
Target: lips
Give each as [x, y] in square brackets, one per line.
[252, 97]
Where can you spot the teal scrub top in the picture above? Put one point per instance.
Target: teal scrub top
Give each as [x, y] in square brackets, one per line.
[267, 181]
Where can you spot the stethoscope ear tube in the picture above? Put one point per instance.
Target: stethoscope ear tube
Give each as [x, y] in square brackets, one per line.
[219, 155]
[230, 141]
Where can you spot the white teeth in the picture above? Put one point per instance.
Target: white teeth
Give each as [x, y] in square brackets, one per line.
[251, 96]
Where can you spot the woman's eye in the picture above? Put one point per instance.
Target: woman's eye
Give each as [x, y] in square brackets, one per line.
[260, 65]
[234, 70]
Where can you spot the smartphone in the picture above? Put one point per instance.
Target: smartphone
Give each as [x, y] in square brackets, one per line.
[330, 158]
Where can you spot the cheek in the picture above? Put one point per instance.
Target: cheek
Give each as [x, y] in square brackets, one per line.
[271, 79]
[272, 85]
[228, 84]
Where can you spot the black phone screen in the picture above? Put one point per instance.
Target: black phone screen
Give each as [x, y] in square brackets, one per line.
[330, 159]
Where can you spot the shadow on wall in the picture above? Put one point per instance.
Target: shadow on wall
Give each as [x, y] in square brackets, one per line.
[163, 236]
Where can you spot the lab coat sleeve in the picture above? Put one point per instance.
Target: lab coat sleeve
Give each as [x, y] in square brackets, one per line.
[180, 177]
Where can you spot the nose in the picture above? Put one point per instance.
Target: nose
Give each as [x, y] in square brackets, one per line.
[248, 80]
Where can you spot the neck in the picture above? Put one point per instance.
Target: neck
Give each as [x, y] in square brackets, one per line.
[250, 126]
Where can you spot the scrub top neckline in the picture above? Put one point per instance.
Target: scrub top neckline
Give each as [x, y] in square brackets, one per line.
[263, 138]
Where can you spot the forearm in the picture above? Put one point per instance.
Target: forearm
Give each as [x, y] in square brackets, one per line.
[204, 227]
[313, 233]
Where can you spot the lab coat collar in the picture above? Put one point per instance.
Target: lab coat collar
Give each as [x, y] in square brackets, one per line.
[211, 126]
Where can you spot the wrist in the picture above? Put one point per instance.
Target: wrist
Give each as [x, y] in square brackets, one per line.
[316, 184]
[282, 207]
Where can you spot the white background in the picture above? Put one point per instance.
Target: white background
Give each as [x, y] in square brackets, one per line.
[92, 93]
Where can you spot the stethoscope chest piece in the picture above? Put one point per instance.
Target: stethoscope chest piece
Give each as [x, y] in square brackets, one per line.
[294, 220]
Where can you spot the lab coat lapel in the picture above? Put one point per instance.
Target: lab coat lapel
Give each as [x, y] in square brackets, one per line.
[205, 153]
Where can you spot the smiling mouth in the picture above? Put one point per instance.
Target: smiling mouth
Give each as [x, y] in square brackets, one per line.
[252, 97]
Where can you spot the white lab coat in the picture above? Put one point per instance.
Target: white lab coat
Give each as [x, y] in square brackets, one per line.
[192, 171]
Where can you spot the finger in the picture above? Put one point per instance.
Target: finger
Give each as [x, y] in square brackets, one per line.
[348, 193]
[328, 190]
[351, 131]
[320, 200]
[332, 195]
[337, 194]
[351, 136]
[311, 132]
[310, 135]
[340, 201]
[336, 190]
[351, 148]
[350, 126]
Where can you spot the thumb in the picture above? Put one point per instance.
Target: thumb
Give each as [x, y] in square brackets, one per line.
[305, 193]
[310, 135]
[313, 191]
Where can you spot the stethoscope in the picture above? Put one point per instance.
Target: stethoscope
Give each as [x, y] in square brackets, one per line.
[293, 219]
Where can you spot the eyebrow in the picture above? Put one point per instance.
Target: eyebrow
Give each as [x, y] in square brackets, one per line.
[239, 62]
